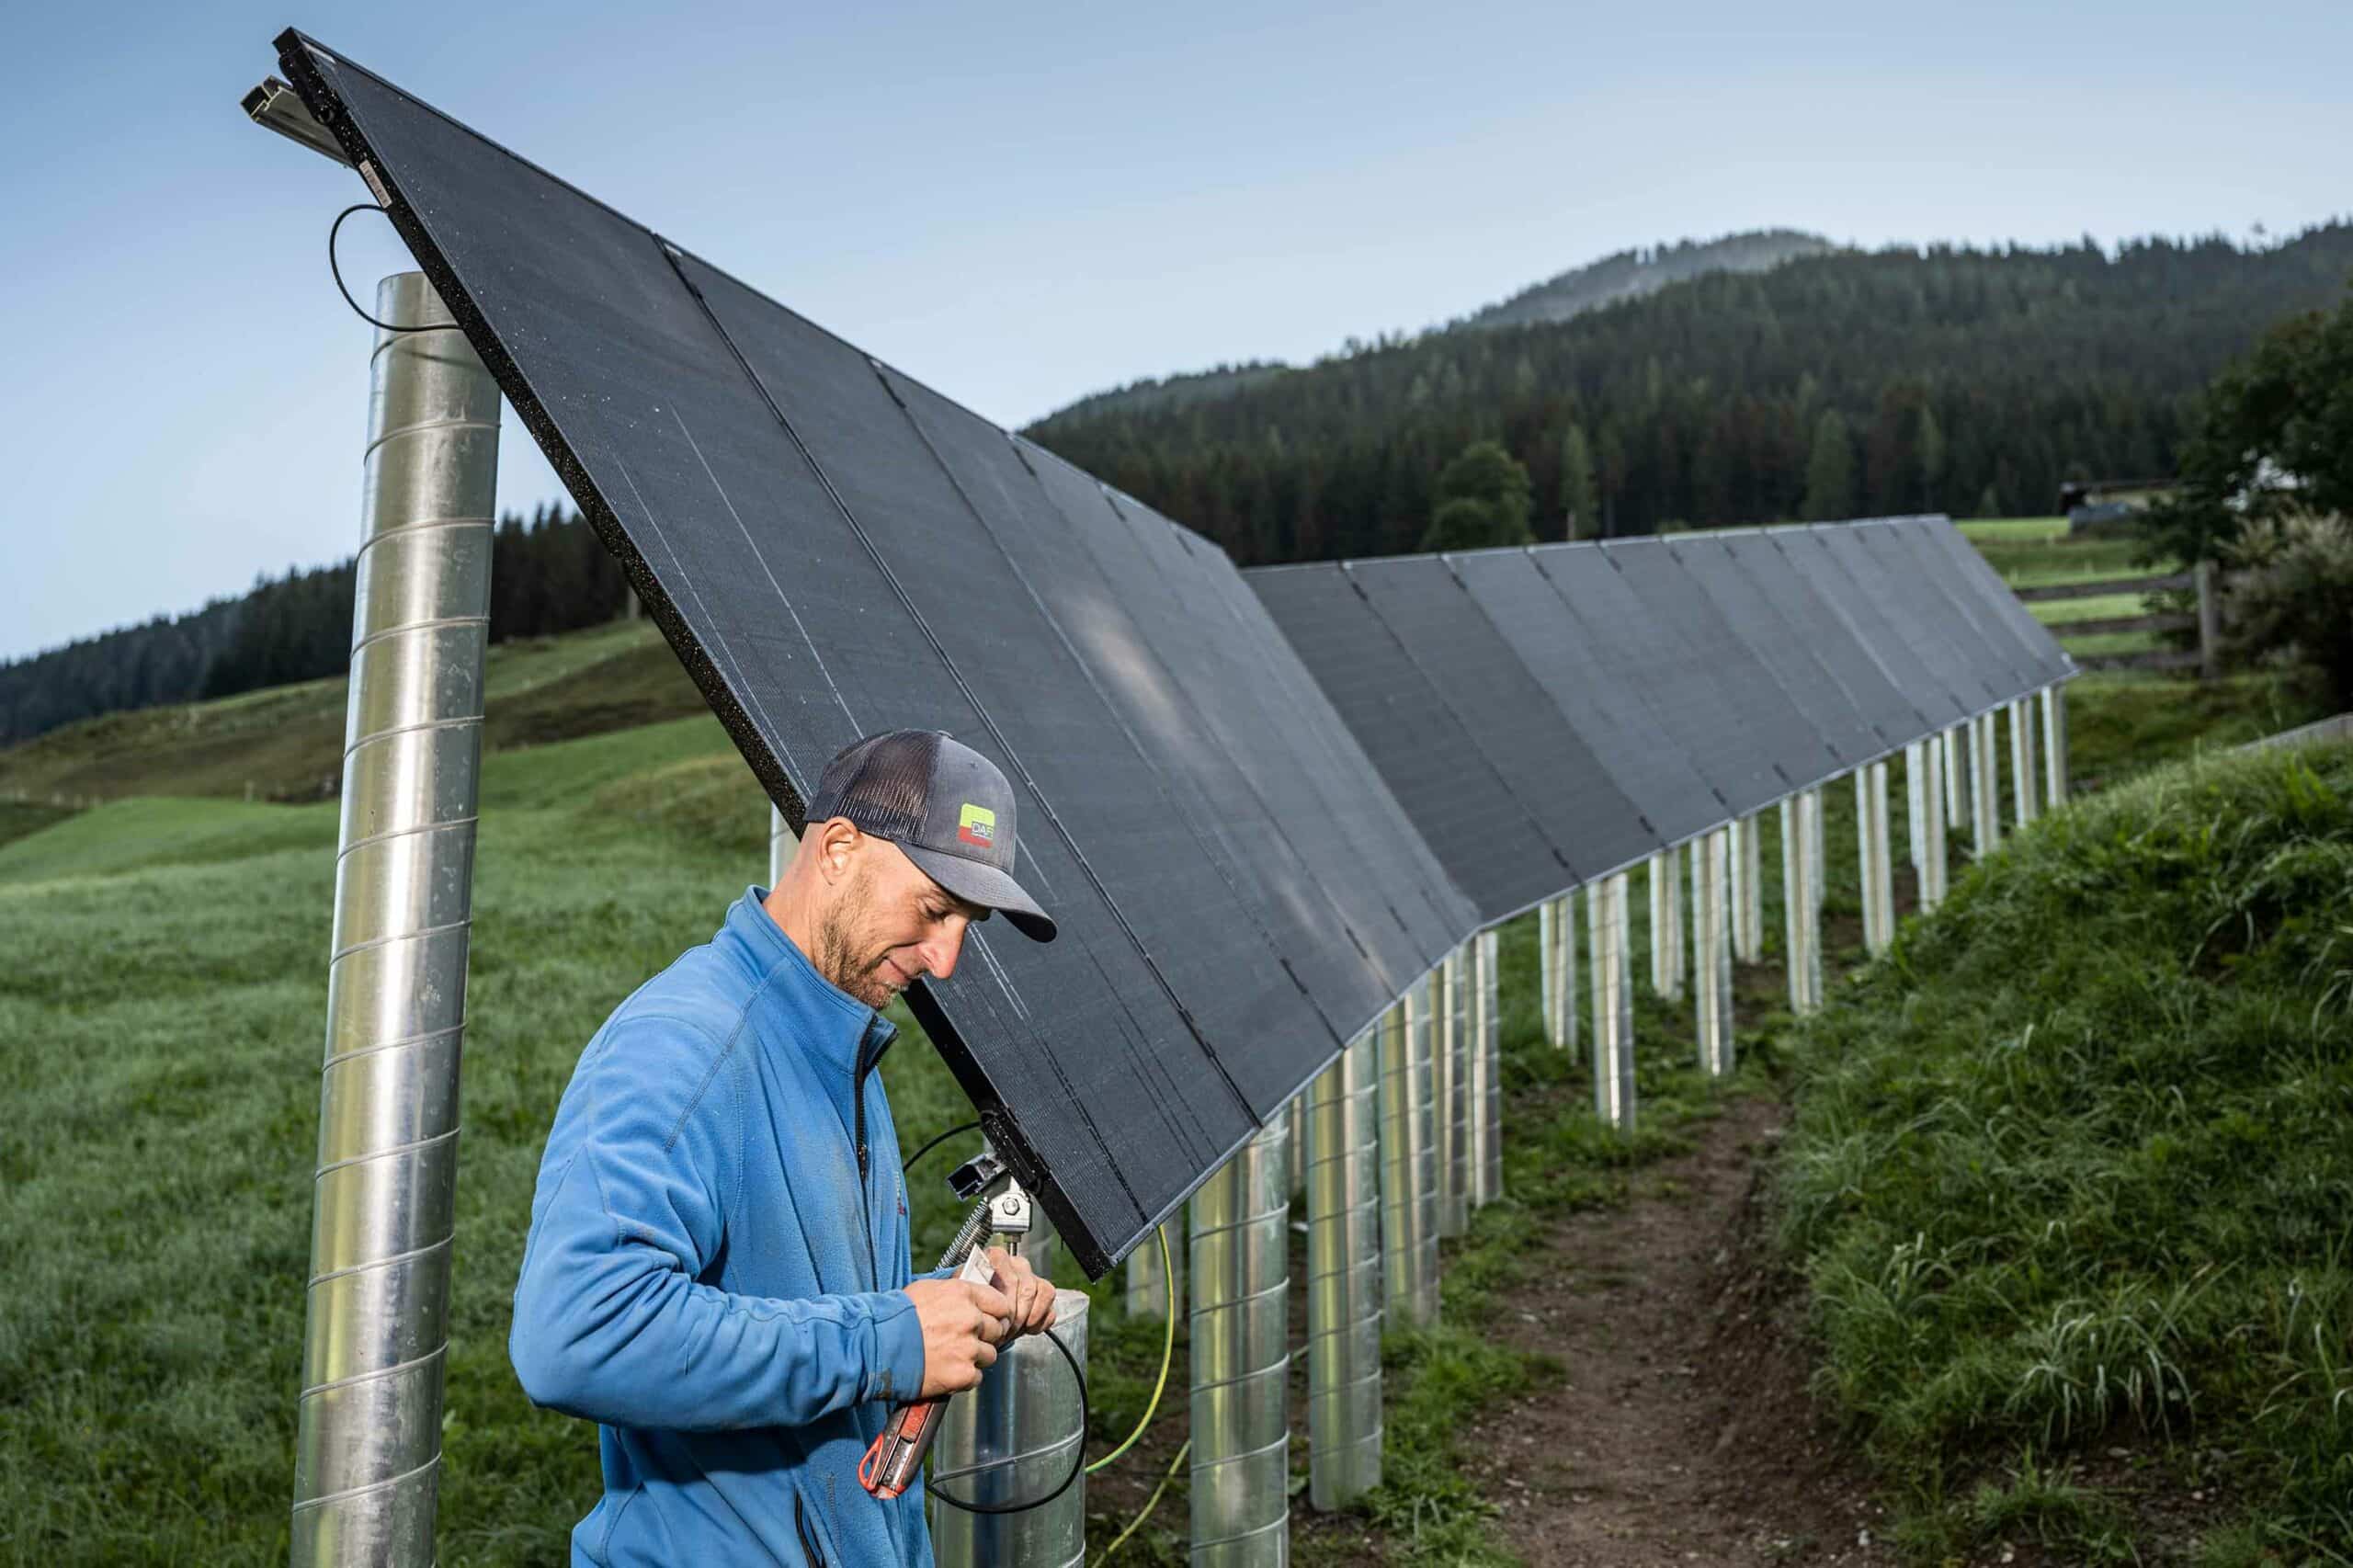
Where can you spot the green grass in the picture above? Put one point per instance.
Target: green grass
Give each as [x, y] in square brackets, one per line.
[2013, 530]
[2069, 1176]
[2094, 644]
[2057, 613]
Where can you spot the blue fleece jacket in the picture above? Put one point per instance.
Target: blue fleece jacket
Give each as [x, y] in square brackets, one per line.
[717, 1265]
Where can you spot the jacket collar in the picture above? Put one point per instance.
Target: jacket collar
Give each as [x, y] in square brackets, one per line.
[828, 1023]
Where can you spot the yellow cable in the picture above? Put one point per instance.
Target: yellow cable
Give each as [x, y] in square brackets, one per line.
[1167, 1356]
[1150, 1503]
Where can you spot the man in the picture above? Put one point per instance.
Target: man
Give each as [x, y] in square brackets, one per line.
[717, 1271]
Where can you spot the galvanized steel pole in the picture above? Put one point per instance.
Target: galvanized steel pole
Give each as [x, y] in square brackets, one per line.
[1953, 744]
[1984, 788]
[781, 842]
[1408, 1162]
[1454, 1094]
[1667, 924]
[1609, 942]
[2055, 746]
[1712, 948]
[1933, 867]
[1241, 1272]
[367, 1450]
[1878, 857]
[1802, 898]
[1748, 878]
[1149, 1292]
[1557, 940]
[1487, 1042]
[2026, 794]
[1012, 1438]
[1344, 1278]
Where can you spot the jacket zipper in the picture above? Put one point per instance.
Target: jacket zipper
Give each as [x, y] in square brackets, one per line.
[810, 1549]
[868, 1056]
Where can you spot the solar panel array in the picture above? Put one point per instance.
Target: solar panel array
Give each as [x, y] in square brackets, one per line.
[1257, 816]
[1553, 714]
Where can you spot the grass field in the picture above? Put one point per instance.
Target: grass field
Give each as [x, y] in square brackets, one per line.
[2069, 1179]
[162, 979]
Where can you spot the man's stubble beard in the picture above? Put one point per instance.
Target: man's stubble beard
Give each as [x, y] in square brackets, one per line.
[841, 934]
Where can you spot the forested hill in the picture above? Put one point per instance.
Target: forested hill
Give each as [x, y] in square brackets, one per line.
[1628, 275]
[1951, 379]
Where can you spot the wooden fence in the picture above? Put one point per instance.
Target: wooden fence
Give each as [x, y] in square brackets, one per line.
[2204, 621]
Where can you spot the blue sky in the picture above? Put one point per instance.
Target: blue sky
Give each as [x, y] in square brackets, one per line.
[1020, 204]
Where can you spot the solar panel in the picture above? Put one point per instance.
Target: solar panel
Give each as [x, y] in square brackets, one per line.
[2008, 613]
[1889, 541]
[1829, 636]
[1785, 648]
[832, 549]
[1553, 646]
[1889, 645]
[1914, 611]
[1482, 830]
[1548, 769]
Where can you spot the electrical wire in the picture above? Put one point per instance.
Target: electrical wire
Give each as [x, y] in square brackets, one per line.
[1149, 1503]
[1077, 1457]
[336, 227]
[1167, 1357]
[936, 1142]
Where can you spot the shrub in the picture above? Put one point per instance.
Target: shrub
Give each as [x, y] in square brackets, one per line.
[2292, 601]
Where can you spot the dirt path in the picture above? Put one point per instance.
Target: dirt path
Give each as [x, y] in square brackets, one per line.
[1683, 1433]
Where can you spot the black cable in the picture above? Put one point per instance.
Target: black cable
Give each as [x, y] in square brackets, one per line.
[336, 227]
[927, 1148]
[1077, 1457]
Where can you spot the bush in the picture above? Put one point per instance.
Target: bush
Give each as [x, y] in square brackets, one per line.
[2291, 602]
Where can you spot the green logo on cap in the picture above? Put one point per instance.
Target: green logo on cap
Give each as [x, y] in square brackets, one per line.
[977, 825]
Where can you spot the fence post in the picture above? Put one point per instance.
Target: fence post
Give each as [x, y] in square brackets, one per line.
[1613, 999]
[2209, 621]
[1344, 1278]
[368, 1448]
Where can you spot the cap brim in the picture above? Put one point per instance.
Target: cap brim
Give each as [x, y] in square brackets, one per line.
[986, 886]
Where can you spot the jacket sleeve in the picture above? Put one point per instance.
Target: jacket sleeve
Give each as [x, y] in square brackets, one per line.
[611, 1322]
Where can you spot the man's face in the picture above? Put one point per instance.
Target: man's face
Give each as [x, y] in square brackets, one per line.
[887, 924]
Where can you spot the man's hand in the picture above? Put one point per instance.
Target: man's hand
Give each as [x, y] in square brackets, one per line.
[1033, 1295]
[962, 1326]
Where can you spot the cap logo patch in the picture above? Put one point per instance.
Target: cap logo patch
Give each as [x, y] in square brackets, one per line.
[977, 825]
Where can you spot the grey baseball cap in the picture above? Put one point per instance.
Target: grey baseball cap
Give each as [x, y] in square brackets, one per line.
[945, 805]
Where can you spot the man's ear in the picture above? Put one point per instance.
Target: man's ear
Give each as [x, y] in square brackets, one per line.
[838, 841]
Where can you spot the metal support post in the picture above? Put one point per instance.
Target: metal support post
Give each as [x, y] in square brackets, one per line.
[1478, 1069]
[1954, 746]
[1712, 856]
[781, 842]
[1878, 857]
[1932, 835]
[1802, 898]
[1297, 1111]
[1555, 955]
[1915, 841]
[1240, 1416]
[1454, 1096]
[1010, 1439]
[1749, 878]
[1667, 924]
[1488, 1044]
[2027, 794]
[2055, 746]
[1986, 787]
[1344, 1278]
[367, 1450]
[1408, 1162]
[1609, 943]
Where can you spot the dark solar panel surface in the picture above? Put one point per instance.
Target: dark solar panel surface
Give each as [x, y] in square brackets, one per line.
[834, 550]
[1736, 716]
[1885, 715]
[1915, 610]
[1480, 829]
[1551, 643]
[1547, 767]
[1890, 543]
[1889, 644]
[1785, 648]
[2033, 642]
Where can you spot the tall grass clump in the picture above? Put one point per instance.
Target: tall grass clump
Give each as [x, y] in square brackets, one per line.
[2071, 1176]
